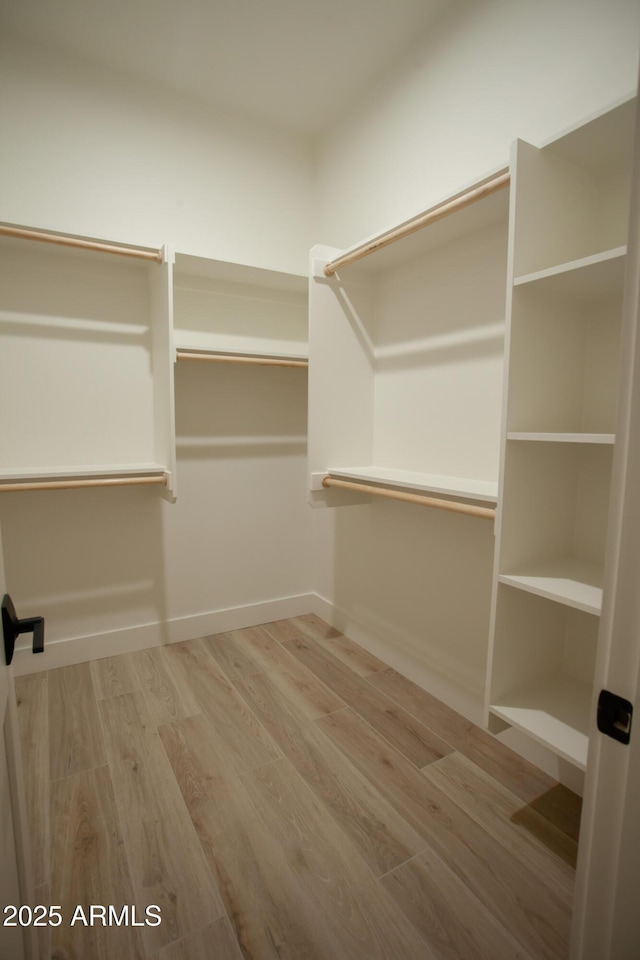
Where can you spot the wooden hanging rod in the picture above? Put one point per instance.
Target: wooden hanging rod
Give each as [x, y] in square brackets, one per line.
[240, 358]
[70, 484]
[487, 513]
[22, 234]
[418, 223]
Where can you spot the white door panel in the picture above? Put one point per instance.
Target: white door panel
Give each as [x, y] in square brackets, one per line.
[606, 922]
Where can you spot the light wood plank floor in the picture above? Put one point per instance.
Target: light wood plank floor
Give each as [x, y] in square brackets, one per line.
[277, 792]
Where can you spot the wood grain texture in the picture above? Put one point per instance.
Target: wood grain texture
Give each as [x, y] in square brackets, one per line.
[537, 843]
[412, 738]
[165, 858]
[166, 698]
[283, 630]
[113, 676]
[360, 921]
[215, 942]
[75, 735]
[270, 917]
[522, 902]
[43, 897]
[315, 627]
[516, 773]
[257, 651]
[232, 655]
[343, 648]
[88, 866]
[32, 700]
[382, 838]
[425, 888]
[248, 744]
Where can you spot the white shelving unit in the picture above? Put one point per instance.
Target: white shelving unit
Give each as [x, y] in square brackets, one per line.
[86, 379]
[407, 347]
[568, 247]
[229, 311]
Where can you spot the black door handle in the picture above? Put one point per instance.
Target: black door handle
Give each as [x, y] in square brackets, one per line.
[12, 627]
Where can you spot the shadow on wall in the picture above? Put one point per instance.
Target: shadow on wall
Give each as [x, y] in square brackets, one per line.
[419, 580]
[89, 561]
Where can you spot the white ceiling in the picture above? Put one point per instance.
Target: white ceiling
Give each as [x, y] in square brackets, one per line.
[296, 64]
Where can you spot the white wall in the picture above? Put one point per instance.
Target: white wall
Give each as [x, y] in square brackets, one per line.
[487, 71]
[90, 152]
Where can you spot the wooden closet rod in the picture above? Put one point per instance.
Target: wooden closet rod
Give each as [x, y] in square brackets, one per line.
[418, 223]
[70, 484]
[487, 513]
[239, 358]
[19, 233]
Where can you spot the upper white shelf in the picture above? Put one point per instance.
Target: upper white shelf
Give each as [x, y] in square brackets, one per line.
[563, 437]
[465, 487]
[224, 308]
[587, 279]
[569, 580]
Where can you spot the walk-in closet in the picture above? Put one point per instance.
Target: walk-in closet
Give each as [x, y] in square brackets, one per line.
[319, 406]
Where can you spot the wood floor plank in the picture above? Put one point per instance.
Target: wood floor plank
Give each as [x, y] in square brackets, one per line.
[248, 744]
[382, 837]
[351, 654]
[284, 630]
[231, 654]
[89, 867]
[361, 921]
[75, 735]
[535, 915]
[514, 772]
[425, 888]
[167, 699]
[263, 653]
[271, 918]
[214, 942]
[113, 676]
[32, 699]
[561, 807]
[316, 627]
[412, 738]
[42, 897]
[166, 861]
[537, 843]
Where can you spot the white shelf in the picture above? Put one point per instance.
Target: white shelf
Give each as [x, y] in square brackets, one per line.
[569, 580]
[226, 308]
[563, 437]
[595, 277]
[467, 487]
[555, 712]
[183, 346]
[82, 471]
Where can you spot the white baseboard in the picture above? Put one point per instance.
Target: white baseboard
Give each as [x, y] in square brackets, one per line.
[63, 653]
